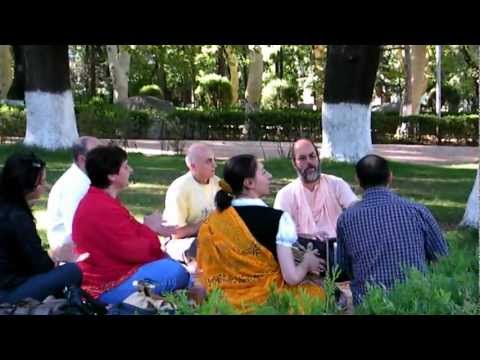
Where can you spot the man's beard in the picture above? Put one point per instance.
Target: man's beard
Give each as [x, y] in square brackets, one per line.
[310, 176]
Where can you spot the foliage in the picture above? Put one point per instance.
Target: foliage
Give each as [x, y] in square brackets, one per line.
[214, 91]
[279, 94]
[151, 90]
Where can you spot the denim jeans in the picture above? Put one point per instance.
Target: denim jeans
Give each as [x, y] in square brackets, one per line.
[167, 274]
[40, 286]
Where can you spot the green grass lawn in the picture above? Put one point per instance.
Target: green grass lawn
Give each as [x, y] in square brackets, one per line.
[443, 189]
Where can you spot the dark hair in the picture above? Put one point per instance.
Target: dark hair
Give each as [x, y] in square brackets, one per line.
[372, 170]
[103, 161]
[235, 171]
[79, 148]
[306, 139]
[19, 177]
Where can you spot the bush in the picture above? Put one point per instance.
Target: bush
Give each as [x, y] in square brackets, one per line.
[279, 94]
[13, 121]
[151, 90]
[214, 91]
[112, 121]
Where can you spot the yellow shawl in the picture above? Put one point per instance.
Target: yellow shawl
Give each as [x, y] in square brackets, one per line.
[230, 258]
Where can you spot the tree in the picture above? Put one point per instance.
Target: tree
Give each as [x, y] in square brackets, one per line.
[253, 92]
[415, 79]
[119, 65]
[6, 75]
[17, 90]
[349, 80]
[233, 66]
[50, 112]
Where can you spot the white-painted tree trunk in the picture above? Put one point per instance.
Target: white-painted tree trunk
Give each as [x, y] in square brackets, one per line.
[233, 66]
[6, 70]
[254, 83]
[346, 131]
[471, 216]
[51, 120]
[119, 65]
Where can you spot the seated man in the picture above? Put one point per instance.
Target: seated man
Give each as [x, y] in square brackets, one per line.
[314, 200]
[122, 250]
[382, 235]
[189, 200]
[63, 200]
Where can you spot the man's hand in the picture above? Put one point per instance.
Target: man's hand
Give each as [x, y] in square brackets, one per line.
[156, 223]
[64, 253]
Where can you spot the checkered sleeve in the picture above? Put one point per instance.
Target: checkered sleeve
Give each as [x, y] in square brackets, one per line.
[435, 244]
[343, 259]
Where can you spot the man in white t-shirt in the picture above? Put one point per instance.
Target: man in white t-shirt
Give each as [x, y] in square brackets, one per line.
[63, 200]
[190, 199]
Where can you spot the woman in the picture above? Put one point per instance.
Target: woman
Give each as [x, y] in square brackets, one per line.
[122, 250]
[245, 246]
[26, 270]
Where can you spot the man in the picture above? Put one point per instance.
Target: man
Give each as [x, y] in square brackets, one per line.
[314, 200]
[383, 235]
[63, 200]
[190, 199]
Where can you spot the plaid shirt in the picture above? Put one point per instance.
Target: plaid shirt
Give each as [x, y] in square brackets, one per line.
[381, 235]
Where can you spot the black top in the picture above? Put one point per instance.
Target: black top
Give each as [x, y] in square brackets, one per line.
[21, 252]
[263, 223]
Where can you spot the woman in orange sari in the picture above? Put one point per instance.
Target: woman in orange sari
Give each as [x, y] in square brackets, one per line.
[245, 247]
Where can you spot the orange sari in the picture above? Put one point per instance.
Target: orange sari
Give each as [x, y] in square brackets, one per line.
[230, 259]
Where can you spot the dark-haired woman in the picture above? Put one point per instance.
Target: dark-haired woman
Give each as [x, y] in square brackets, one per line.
[26, 270]
[245, 247]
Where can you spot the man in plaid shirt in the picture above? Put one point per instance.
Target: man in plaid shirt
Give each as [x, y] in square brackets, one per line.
[383, 235]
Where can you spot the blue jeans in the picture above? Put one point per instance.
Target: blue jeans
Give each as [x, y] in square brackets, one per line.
[40, 286]
[167, 273]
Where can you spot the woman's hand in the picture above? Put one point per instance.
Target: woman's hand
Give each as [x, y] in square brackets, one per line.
[313, 263]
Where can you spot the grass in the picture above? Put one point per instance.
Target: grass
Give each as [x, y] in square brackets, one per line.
[443, 189]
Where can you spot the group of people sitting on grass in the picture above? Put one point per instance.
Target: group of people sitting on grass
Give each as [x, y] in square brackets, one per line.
[213, 233]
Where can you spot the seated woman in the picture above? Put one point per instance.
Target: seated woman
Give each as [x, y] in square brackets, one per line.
[245, 246]
[121, 249]
[26, 270]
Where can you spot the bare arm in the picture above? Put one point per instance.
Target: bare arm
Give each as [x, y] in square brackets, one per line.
[294, 274]
[187, 230]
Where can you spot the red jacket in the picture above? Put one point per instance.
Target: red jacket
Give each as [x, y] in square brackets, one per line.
[118, 244]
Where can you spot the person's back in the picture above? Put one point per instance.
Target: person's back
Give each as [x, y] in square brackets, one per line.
[384, 235]
[63, 201]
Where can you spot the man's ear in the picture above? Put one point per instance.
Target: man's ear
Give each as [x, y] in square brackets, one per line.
[390, 179]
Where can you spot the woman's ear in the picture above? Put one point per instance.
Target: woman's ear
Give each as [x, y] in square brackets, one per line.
[248, 183]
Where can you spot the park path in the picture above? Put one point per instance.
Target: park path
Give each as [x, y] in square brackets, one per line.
[417, 154]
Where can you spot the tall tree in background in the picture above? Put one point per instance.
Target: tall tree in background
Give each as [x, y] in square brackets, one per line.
[233, 66]
[119, 65]
[6, 75]
[349, 80]
[48, 98]
[253, 92]
[415, 80]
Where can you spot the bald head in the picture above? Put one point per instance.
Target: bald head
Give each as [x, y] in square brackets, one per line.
[81, 147]
[201, 162]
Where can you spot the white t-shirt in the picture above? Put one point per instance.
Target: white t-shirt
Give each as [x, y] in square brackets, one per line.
[62, 203]
[187, 201]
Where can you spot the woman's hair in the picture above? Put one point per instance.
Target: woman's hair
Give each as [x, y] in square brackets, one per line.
[20, 176]
[103, 161]
[235, 171]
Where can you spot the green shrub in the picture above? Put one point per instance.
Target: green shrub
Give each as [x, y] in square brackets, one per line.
[214, 91]
[151, 90]
[279, 94]
[13, 121]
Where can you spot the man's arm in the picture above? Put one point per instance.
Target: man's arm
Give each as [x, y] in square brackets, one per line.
[190, 230]
[344, 261]
[346, 197]
[435, 244]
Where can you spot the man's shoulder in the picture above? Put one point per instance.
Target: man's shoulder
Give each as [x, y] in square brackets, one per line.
[70, 180]
[334, 179]
[289, 188]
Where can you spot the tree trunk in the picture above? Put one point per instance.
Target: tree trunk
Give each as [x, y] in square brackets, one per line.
[416, 82]
[221, 66]
[50, 111]
[6, 76]
[318, 68]
[119, 65]
[349, 80]
[471, 215]
[17, 90]
[253, 93]
[233, 66]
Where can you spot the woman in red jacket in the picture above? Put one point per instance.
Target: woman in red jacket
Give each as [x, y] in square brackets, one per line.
[121, 249]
